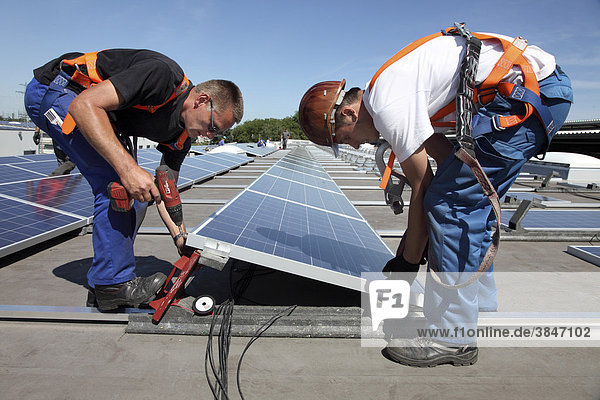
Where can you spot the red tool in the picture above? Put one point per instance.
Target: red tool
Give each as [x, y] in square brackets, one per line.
[167, 186]
[186, 266]
[120, 200]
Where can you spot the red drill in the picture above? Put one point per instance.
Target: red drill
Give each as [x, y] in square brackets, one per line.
[167, 186]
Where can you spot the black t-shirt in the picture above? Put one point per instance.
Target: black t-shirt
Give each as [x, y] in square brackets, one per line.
[142, 77]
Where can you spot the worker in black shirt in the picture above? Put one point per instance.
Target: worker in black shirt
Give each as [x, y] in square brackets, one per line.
[90, 104]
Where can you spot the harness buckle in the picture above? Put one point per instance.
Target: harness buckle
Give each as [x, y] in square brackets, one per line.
[484, 93]
[496, 123]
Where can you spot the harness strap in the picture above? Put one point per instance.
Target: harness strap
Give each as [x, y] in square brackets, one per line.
[533, 104]
[91, 76]
[513, 55]
[492, 196]
[183, 86]
[388, 171]
[466, 148]
[178, 144]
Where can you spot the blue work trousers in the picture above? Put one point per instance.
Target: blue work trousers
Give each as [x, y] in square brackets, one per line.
[113, 232]
[460, 217]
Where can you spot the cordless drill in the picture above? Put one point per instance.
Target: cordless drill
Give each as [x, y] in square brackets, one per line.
[165, 182]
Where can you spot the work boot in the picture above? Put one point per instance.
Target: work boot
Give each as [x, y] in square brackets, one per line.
[424, 352]
[140, 290]
[63, 169]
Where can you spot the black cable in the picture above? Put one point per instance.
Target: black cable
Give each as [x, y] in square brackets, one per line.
[224, 312]
[254, 338]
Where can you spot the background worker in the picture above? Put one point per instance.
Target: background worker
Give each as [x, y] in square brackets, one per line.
[448, 210]
[137, 93]
[285, 135]
[222, 141]
[65, 166]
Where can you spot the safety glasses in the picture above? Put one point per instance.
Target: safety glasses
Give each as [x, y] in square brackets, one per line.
[212, 128]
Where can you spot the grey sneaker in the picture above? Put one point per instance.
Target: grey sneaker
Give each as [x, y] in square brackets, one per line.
[424, 352]
[140, 290]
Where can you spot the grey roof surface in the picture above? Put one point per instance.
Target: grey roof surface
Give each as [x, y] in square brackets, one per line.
[73, 359]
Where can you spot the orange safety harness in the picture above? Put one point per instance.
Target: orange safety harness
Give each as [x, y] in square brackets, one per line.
[513, 55]
[91, 77]
[468, 95]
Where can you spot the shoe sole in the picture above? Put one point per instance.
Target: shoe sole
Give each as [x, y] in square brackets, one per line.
[456, 360]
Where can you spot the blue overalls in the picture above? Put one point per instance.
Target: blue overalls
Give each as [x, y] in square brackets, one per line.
[113, 232]
[459, 215]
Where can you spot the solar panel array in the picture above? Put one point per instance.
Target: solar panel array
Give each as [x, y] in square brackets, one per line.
[255, 150]
[249, 148]
[294, 218]
[36, 207]
[557, 220]
[588, 253]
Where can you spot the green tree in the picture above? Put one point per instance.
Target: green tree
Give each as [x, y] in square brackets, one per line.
[266, 128]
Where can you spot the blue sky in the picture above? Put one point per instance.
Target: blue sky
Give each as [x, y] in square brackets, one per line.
[275, 50]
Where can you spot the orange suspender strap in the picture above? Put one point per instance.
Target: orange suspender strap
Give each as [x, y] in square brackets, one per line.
[513, 55]
[183, 86]
[92, 77]
[85, 79]
[178, 144]
[388, 171]
[401, 54]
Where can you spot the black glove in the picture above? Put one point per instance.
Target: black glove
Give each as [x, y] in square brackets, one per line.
[399, 265]
[423, 259]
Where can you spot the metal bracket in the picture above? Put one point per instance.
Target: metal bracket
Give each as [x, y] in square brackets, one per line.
[547, 178]
[393, 191]
[215, 254]
[517, 218]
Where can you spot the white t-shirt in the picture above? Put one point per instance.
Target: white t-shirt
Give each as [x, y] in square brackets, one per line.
[411, 90]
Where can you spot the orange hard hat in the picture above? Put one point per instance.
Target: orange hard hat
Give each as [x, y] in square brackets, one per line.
[317, 112]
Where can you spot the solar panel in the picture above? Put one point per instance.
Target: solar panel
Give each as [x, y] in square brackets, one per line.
[25, 224]
[12, 159]
[567, 220]
[588, 253]
[9, 173]
[65, 203]
[535, 197]
[68, 193]
[255, 150]
[295, 219]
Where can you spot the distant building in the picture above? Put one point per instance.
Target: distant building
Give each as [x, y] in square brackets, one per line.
[17, 139]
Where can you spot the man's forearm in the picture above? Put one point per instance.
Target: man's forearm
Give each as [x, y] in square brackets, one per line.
[89, 110]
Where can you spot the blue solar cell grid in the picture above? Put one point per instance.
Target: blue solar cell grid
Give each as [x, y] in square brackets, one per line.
[35, 204]
[300, 233]
[8, 174]
[69, 193]
[557, 219]
[295, 211]
[304, 194]
[255, 150]
[12, 159]
[22, 222]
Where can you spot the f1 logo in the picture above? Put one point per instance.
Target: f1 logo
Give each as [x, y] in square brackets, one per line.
[389, 299]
